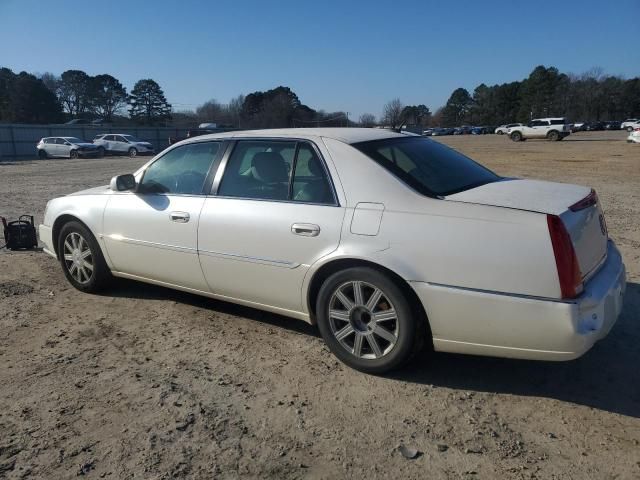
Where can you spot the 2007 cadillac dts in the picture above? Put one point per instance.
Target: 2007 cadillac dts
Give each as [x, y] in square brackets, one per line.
[386, 241]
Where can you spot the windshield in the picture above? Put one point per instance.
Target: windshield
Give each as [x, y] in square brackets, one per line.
[131, 138]
[74, 140]
[429, 167]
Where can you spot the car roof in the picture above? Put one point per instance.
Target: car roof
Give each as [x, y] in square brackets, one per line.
[345, 135]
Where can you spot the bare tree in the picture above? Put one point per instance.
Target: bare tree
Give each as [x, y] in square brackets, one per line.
[392, 113]
[367, 120]
[210, 111]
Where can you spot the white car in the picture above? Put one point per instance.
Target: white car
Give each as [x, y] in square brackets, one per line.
[122, 144]
[383, 240]
[553, 129]
[66, 147]
[634, 135]
[629, 124]
[503, 129]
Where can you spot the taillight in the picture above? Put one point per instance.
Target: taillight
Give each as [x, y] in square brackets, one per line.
[566, 259]
[586, 202]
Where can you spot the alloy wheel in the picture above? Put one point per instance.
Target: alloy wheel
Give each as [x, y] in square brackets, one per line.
[363, 320]
[78, 259]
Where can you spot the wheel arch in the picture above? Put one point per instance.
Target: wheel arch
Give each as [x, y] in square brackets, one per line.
[336, 265]
[60, 222]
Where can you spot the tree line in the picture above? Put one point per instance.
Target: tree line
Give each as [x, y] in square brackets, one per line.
[47, 98]
[591, 96]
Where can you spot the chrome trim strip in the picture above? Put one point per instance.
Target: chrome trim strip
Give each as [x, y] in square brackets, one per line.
[504, 294]
[146, 243]
[245, 258]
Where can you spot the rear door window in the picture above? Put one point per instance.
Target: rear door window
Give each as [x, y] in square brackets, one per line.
[276, 170]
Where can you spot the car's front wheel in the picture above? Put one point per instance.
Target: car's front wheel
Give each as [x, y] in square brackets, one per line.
[73, 154]
[133, 152]
[81, 258]
[101, 152]
[516, 136]
[42, 155]
[367, 321]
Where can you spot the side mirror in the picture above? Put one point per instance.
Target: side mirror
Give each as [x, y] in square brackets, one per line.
[122, 183]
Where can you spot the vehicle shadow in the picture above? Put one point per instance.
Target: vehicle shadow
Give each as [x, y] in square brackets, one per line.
[607, 377]
[132, 289]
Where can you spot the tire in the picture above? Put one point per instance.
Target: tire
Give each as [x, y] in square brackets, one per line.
[101, 152]
[42, 155]
[351, 331]
[553, 136]
[133, 152]
[516, 136]
[88, 272]
[500, 132]
[73, 154]
[629, 129]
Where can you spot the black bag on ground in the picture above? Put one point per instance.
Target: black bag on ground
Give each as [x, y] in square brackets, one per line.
[20, 234]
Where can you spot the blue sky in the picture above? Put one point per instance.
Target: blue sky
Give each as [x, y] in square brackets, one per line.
[336, 55]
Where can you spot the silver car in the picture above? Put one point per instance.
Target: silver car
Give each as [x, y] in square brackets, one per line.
[67, 147]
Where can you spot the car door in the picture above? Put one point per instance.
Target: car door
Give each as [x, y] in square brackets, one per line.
[152, 232]
[271, 215]
[63, 148]
[120, 145]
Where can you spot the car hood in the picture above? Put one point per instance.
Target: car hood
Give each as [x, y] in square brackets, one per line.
[532, 195]
[102, 190]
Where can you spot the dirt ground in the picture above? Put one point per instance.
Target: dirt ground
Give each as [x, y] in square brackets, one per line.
[146, 382]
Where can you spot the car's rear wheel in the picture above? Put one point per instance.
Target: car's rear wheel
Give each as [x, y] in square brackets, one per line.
[516, 136]
[101, 152]
[133, 152]
[367, 321]
[81, 258]
[553, 136]
[42, 154]
[73, 154]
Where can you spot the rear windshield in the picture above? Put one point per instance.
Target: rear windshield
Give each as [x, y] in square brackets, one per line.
[429, 167]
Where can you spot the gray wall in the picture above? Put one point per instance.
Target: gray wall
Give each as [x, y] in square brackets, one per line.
[19, 141]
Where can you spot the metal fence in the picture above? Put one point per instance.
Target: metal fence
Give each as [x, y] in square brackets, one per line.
[19, 141]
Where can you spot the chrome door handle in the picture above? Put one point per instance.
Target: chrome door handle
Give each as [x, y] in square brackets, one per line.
[305, 229]
[179, 217]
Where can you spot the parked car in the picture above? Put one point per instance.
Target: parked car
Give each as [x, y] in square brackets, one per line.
[383, 240]
[502, 129]
[427, 132]
[78, 121]
[628, 124]
[122, 144]
[634, 135]
[436, 132]
[593, 126]
[576, 127]
[549, 128]
[67, 147]
[612, 125]
[480, 130]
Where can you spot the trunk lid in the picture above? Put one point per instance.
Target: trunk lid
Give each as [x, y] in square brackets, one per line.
[585, 226]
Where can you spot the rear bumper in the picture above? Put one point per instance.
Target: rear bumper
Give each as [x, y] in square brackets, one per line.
[503, 325]
[46, 237]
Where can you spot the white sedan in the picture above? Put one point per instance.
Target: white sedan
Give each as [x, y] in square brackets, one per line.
[385, 241]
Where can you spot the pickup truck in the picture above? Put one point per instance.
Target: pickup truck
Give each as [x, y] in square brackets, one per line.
[550, 128]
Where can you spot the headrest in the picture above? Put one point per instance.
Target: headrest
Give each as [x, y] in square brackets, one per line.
[270, 167]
